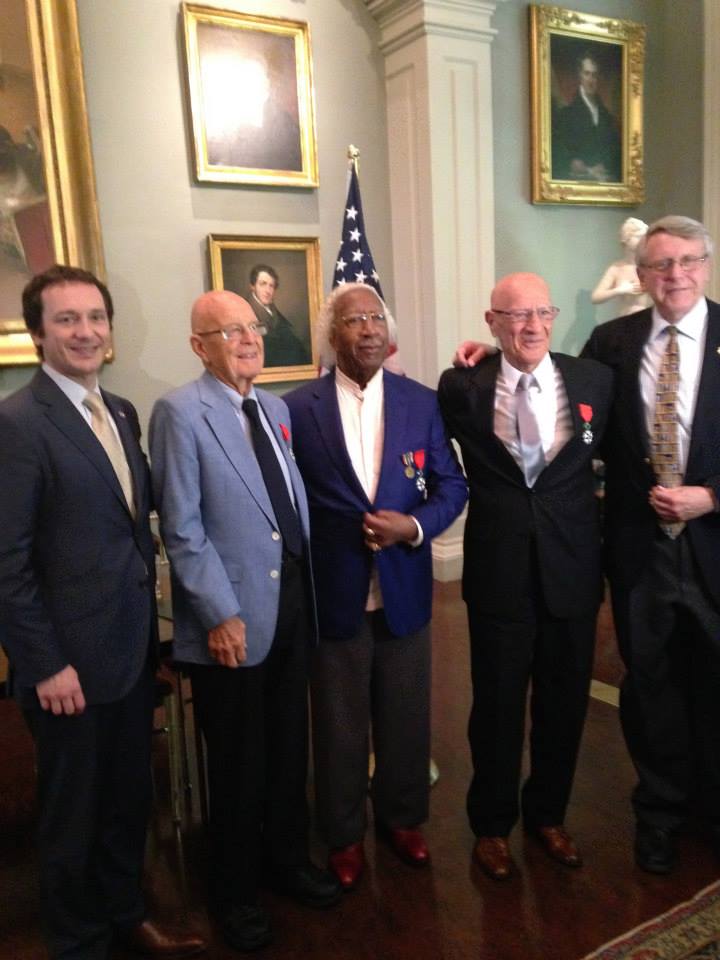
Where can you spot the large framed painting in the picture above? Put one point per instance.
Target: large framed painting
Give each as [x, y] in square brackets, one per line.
[48, 211]
[586, 108]
[251, 97]
[280, 279]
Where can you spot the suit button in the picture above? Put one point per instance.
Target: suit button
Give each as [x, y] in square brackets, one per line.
[275, 535]
[647, 460]
[274, 574]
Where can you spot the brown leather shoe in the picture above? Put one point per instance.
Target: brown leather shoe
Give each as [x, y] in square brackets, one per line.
[347, 864]
[409, 845]
[152, 940]
[559, 845]
[493, 855]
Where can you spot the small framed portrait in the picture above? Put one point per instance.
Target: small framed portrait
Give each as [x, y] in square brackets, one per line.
[280, 279]
[586, 108]
[251, 98]
[48, 211]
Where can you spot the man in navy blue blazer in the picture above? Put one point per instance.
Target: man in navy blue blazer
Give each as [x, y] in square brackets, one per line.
[78, 620]
[382, 480]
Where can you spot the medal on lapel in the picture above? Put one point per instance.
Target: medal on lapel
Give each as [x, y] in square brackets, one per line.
[586, 413]
[414, 461]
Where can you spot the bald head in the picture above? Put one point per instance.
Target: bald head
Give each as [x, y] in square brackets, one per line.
[218, 308]
[518, 286]
[225, 337]
[522, 332]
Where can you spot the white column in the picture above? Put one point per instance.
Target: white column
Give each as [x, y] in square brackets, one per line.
[440, 142]
[711, 136]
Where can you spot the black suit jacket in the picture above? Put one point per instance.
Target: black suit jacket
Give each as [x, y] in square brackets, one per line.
[514, 534]
[631, 524]
[76, 570]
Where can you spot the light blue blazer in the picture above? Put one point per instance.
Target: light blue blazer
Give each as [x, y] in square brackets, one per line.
[216, 518]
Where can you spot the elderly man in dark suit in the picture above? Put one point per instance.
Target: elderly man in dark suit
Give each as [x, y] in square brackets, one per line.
[234, 520]
[77, 617]
[528, 423]
[382, 481]
[662, 453]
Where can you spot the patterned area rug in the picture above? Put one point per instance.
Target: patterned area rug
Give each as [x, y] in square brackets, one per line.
[690, 931]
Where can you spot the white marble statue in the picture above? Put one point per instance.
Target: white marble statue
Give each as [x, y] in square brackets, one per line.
[620, 279]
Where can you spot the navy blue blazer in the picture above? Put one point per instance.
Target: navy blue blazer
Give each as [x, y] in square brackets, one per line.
[77, 571]
[342, 564]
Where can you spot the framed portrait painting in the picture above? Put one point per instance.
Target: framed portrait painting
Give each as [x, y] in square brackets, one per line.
[48, 211]
[586, 108]
[280, 279]
[251, 97]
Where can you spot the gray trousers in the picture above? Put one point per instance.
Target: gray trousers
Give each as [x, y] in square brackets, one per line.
[373, 680]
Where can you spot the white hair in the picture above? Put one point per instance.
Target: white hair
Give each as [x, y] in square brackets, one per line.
[327, 319]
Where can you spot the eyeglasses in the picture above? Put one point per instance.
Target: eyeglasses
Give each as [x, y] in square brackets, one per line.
[687, 264]
[356, 320]
[237, 330]
[544, 314]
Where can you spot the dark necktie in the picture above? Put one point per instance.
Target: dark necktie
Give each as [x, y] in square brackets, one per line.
[665, 440]
[275, 485]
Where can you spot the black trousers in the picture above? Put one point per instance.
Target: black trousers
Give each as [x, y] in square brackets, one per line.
[95, 793]
[555, 657]
[255, 724]
[669, 635]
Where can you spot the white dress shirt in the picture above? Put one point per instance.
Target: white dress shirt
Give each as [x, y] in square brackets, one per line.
[362, 414]
[692, 330]
[549, 401]
[75, 392]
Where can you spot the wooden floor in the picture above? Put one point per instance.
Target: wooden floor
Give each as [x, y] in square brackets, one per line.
[450, 911]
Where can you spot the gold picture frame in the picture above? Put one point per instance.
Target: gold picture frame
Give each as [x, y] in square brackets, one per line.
[244, 265]
[251, 98]
[586, 108]
[44, 116]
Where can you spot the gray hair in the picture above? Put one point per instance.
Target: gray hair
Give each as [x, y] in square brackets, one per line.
[676, 226]
[326, 320]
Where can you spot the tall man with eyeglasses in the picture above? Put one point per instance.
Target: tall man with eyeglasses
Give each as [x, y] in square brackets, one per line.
[382, 481]
[528, 423]
[234, 519]
[662, 454]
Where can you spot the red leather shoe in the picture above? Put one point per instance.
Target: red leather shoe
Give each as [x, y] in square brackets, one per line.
[493, 855]
[559, 845]
[347, 864]
[409, 845]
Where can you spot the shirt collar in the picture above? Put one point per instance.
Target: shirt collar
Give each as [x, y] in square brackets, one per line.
[544, 374]
[691, 325]
[73, 390]
[237, 398]
[261, 304]
[372, 387]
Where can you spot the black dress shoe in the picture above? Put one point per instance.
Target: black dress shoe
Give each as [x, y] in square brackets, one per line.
[246, 927]
[654, 849]
[307, 884]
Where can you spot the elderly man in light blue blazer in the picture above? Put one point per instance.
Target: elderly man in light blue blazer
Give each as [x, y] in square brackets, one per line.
[234, 520]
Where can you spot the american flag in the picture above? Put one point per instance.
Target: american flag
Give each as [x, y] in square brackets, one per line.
[354, 261]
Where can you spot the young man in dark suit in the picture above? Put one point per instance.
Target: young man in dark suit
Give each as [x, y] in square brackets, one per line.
[528, 423]
[78, 620]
